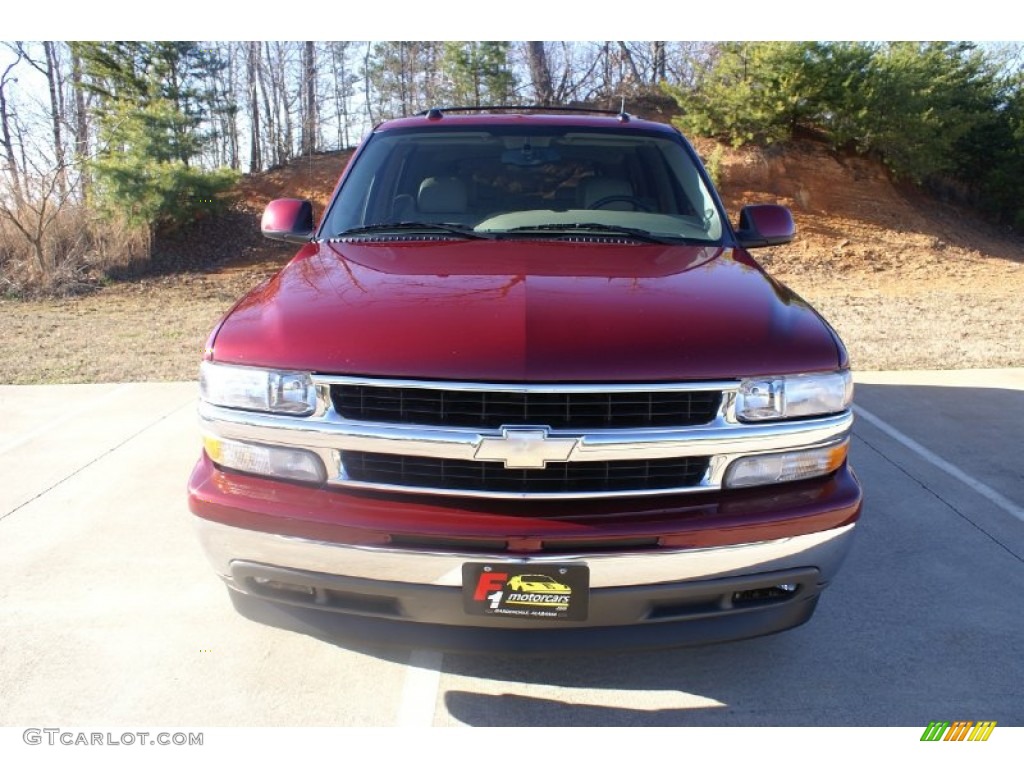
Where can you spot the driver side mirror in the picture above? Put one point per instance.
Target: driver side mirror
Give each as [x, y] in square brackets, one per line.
[764, 225]
[289, 220]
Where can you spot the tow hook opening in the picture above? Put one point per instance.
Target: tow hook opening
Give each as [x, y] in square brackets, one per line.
[266, 585]
[776, 593]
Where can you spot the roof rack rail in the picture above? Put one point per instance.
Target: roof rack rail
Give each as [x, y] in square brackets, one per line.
[436, 113]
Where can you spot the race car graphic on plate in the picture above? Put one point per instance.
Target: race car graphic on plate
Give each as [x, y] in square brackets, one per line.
[535, 583]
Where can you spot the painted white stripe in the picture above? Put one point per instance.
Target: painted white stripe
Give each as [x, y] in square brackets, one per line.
[72, 413]
[419, 693]
[950, 469]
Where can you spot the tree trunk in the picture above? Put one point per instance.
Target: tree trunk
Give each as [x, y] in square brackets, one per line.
[252, 61]
[628, 58]
[56, 113]
[366, 83]
[5, 135]
[658, 61]
[282, 111]
[341, 84]
[81, 122]
[232, 138]
[268, 113]
[403, 88]
[310, 117]
[540, 73]
[49, 71]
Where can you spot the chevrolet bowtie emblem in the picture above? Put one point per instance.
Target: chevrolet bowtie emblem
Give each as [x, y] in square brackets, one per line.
[525, 448]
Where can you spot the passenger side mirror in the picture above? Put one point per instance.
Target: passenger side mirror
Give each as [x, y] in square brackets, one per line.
[764, 225]
[289, 220]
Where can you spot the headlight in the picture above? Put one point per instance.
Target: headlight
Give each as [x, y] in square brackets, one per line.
[257, 389]
[791, 397]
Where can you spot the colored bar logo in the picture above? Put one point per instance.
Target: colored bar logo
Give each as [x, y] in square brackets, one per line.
[961, 730]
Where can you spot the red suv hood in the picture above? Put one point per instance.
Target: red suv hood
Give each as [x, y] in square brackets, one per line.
[526, 310]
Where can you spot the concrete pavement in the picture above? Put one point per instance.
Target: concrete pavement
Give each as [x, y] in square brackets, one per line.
[109, 614]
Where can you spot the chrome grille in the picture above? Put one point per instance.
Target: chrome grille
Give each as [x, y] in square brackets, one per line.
[483, 409]
[492, 476]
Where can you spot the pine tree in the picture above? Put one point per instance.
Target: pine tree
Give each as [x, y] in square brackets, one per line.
[151, 112]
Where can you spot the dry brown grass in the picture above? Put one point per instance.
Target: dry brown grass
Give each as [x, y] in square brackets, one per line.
[146, 330]
[77, 249]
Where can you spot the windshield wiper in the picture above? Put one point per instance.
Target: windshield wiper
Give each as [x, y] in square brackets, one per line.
[636, 234]
[461, 230]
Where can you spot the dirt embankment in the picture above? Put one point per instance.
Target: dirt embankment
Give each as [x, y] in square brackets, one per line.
[908, 281]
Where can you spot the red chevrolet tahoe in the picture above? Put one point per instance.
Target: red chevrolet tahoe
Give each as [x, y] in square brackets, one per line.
[524, 389]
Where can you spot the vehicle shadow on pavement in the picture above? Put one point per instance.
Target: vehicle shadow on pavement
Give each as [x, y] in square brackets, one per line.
[916, 626]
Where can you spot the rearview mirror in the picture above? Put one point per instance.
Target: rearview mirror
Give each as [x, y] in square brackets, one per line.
[764, 225]
[527, 156]
[289, 220]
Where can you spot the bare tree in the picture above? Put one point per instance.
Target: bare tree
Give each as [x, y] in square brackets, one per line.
[366, 82]
[578, 69]
[540, 73]
[44, 196]
[223, 96]
[269, 120]
[403, 76]
[54, 80]
[49, 68]
[6, 118]
[344, 80]
[686, 62]
[310, 121]
[283, 101]
[81, 119]
[627, 57]
[658, 61]
[252, 67]
[233, 94]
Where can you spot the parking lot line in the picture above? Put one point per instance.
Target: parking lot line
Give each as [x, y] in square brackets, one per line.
[419, 692]
[78, 469]
[950, 469]
[70, 414]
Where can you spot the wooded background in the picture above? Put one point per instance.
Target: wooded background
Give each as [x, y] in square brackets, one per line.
[104, 145]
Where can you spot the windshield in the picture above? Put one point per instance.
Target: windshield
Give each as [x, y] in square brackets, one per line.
[507, 181]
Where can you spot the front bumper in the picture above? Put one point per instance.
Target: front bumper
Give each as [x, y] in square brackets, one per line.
[333, 563]
[663, 616]
[233, 550]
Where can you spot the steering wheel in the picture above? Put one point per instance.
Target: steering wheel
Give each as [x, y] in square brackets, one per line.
[636, 202]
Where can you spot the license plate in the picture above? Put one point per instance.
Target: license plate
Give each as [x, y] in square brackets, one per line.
[549, 592]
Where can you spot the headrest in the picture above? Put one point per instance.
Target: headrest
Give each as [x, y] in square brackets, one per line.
[441, 194]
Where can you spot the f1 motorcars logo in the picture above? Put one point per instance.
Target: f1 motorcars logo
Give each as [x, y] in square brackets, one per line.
[527, 590]
[960, 730]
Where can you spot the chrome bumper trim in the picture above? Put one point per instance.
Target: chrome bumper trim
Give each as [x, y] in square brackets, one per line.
[723, 440]
[225, 544]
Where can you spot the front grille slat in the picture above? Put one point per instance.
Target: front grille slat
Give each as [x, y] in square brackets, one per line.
[481, 409]
[492, 476]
